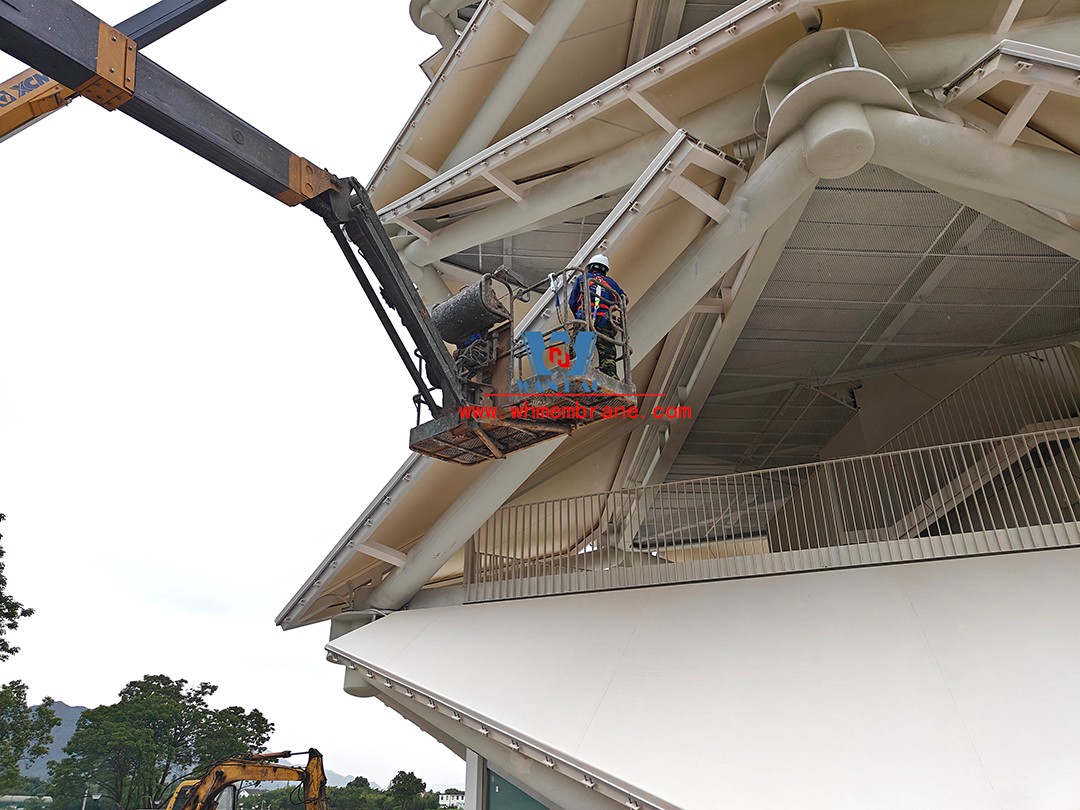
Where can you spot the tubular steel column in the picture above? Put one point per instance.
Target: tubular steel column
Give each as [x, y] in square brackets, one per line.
[922, 147]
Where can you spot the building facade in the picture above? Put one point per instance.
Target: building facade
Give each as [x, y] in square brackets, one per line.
[832, 563]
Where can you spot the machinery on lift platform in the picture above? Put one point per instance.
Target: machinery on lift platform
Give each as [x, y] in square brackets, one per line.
[492, 404]
[522, 389]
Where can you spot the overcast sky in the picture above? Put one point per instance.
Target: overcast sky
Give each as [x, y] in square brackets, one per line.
[195, 398]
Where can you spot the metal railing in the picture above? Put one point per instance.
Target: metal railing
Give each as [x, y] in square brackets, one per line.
[1012, 493]
[1014, 391]
[565, 320]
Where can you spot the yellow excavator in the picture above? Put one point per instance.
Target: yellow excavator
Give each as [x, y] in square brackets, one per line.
[203, 794]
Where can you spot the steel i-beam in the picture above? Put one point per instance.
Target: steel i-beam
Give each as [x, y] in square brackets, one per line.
[31, 95]
[69, 44]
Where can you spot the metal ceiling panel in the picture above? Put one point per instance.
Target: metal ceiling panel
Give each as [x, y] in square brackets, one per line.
[956, 326]
[900, 207]
[1043, 325]
[857, 237]
[999, 240]
[786, 360]
[810, 321]
[838, 270]
[880, 273]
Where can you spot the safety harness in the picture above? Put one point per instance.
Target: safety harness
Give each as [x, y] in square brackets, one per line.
[601, 303]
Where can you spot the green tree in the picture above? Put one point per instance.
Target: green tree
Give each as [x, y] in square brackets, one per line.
[284, 798]
[25, 733]
[32, 786]
[358, 795]
[10, 611]
[160, 731]
[406, 790]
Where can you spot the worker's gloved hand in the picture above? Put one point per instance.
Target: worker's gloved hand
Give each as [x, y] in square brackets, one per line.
[615, 315]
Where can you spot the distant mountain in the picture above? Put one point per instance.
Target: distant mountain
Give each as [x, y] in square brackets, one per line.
[337, 780]
[69, 716]
[332, 779]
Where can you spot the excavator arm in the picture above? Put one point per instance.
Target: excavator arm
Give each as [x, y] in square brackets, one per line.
[203, 794]
[28, 97]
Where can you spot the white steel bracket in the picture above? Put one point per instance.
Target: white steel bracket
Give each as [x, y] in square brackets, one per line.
[1041, 71]
[639, 85]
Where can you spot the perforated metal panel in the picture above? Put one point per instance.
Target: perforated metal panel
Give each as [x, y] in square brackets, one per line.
[880, 272]
[874, 178]
[879, 207]
[998, 240]
[800, 321]
[772, 361]
[534, 254]
[755, 429]
[862, 237]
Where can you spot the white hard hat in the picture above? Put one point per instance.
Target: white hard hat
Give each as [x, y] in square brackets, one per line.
[601, 259]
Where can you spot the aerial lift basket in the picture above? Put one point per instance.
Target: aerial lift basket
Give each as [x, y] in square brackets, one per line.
[528, 388]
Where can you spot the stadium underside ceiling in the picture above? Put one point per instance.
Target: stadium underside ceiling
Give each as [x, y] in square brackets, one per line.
[763, 295]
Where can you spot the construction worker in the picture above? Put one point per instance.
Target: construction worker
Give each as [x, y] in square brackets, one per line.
[604, 299]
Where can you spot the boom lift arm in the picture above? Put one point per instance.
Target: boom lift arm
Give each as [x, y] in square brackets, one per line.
[69, 44]
[348, 212]
[72, 46]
